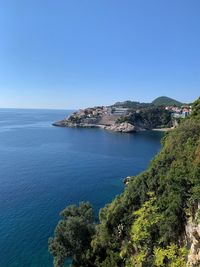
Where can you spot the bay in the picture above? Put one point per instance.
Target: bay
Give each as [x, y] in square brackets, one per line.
[45, 168]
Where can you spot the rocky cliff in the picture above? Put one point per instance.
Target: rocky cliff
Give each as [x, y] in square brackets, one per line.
[124, 127]
[192, 231]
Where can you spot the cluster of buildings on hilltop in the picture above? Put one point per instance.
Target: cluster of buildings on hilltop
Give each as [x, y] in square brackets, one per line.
[101, 111]
[92, 112]
[179, 112]
[118, 110]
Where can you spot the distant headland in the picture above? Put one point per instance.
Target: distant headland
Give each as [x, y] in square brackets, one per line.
[163, 113]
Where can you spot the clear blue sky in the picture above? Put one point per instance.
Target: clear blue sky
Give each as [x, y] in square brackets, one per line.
[79, 53]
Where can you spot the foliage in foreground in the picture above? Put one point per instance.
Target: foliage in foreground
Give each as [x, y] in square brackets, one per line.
[73, 234]
[144, 226]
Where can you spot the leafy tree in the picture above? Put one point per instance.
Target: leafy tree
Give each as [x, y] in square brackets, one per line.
[73, 235]
[172, 256]
[143, 232]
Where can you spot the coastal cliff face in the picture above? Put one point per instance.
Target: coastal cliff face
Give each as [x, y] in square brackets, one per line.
[124, 127]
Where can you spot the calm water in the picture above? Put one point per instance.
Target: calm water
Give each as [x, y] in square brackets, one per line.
[44, 168]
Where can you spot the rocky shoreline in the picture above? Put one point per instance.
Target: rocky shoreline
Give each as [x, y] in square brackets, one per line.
[99, 117]
[124, 127]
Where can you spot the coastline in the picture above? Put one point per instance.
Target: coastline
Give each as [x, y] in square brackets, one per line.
[121, 127]
[107, 127]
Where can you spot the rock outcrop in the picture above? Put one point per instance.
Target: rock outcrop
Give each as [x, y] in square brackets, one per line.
[127, 180]
[124, 127]
[193, 243]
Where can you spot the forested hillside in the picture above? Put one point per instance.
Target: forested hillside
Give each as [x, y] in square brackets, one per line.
[146, 225]
[148, 118]
[166, 101]
[158, 102]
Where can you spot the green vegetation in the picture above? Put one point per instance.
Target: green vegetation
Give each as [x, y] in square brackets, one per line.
[145, 225]
[132, 104]
[171, 256]
[73, 235]
[148, 118]
[166, 101]
[74, 119]
[159, 101]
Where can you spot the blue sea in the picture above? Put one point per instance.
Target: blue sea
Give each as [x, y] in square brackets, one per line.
[44, 168]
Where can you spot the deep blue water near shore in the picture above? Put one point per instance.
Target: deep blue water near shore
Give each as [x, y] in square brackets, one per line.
[44, 168]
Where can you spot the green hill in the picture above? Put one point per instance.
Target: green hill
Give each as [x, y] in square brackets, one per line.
[166, 101]
[160, 101]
